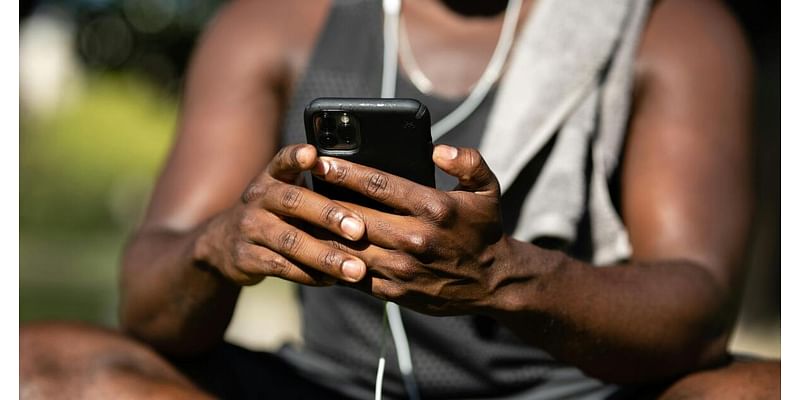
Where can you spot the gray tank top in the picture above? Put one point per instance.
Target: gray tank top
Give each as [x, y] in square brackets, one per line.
[454, 357]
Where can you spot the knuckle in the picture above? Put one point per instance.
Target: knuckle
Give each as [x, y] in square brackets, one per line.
[280, 158]
[448, 212]
[331, 214]
[285, 154]
[292, 160]
[473, 158]
[477, 166]
[289, 241]
[291, 198]
[438, 209]
[377, 185]
[336, 245]
[285, 159]
[416, 243]
[253, 191]
[338, 173]
[330, 259]
[276, 267]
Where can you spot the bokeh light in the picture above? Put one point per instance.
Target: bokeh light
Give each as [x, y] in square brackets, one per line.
[106, 40]
[150, 16]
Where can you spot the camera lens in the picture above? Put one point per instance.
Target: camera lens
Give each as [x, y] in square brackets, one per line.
[327, 123]
[347, 133]
[327, 139]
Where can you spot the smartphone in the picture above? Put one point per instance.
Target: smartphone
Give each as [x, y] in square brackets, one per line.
[392, 135]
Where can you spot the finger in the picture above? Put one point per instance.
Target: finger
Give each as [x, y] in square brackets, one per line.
[286, 167]
[395, 232]
[291, 161]
[394, 191]
[381, 261]
[303, 248]
[396, 265]
[389, 231]
[469, 167]
[256, 262]
[301, 203]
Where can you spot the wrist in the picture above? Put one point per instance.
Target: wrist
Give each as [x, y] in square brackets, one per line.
[200, 247]
[204, 247]
[524, 277]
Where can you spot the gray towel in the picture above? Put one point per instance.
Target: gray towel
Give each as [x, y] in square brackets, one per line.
[571, 73]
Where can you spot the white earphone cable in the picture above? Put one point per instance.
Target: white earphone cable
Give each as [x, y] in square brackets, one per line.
[391, 21]
[403, 350]
[489, 76]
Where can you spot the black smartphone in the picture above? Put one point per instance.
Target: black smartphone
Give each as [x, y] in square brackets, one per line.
[392, 135]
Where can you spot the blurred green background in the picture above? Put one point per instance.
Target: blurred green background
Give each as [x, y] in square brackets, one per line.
[100, 84]
[86, 170]
[99, 89]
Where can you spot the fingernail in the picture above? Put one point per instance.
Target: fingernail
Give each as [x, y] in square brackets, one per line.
[321, 167]
[446, 152]
[353, 270]
[352, 227]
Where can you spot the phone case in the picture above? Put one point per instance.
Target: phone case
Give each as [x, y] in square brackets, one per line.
[395, 137]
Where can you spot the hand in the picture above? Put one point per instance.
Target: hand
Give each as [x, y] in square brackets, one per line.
[259, 237]
[439, 253]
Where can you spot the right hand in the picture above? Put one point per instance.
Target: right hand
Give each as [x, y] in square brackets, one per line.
[259, 237]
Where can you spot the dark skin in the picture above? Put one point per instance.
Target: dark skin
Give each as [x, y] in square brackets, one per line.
[221, 217]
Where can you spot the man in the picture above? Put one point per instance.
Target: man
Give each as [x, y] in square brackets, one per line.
[226, 212]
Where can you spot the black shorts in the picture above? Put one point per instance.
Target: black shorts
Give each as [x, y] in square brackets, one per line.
[232, 372]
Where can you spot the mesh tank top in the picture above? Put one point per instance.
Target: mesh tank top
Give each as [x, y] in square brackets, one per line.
[454, 357]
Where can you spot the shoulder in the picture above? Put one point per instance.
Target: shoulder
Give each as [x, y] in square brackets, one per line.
[272, 38]
[690, 41]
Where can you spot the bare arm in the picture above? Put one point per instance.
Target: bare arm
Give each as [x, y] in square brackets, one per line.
[204, 236]
[686, 202]
[219, 110]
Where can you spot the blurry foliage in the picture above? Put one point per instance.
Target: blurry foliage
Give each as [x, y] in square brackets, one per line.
[85, 174]
[80, 167]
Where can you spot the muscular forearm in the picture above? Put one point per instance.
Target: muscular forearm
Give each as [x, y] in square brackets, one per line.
[169, 299]
[628, 323]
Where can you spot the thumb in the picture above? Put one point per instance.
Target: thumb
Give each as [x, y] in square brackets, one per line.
[291, 161]
[468, 166]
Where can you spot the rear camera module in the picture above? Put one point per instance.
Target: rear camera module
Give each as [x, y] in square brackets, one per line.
[337, 130]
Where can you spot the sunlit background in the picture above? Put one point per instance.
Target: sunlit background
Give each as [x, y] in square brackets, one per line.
[100, 84]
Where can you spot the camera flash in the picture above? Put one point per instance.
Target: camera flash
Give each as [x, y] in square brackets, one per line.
[344, 119]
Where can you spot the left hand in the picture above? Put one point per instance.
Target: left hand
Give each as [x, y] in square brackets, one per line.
[440, 255]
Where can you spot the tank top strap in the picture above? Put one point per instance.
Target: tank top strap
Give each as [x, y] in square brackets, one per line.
[346, 61]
